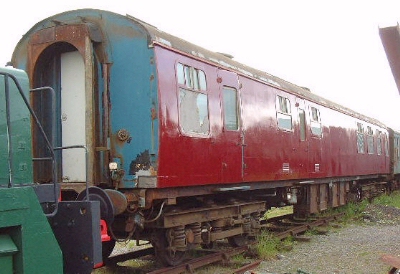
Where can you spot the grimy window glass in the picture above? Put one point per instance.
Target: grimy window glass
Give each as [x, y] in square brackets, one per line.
[229, 98]
[193, 112]
[379, 142]
[193, 100]
[360, 138]
[316, 128]
[180, 74]
[191, 77]
[370, 140]
[283, 113]
[302, 121]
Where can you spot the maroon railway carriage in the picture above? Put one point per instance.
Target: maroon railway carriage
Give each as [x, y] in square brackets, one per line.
[259, 129]
[262, 132]
[189, 145]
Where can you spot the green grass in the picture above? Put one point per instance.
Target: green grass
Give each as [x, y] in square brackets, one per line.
[392, 199]
[239, 259]
[354, 211]
[286, 244]
[267, 245]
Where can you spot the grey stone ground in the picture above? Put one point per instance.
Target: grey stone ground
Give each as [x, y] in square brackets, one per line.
[353, 249]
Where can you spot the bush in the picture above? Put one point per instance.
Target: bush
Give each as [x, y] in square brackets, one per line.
[267, 245]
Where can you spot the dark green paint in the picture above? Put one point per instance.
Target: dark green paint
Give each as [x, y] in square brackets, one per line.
[27, 242]
[20, 131]
[22, 218]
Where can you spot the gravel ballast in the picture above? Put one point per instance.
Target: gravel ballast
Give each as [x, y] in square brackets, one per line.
[352, 249]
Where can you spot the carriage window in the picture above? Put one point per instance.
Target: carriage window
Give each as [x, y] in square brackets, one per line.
[180, 74]
[283, 113]
[191, 77]
[229, 98]
[315, 122]
[202, 80]
[379, 142]
[193, 112]
[370, 140]
[188, 77]
[396, 150]
[302, 121]
[193, 101]
[360, 138]
[386, 145]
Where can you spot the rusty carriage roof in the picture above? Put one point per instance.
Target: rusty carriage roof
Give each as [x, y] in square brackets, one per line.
[156, 36]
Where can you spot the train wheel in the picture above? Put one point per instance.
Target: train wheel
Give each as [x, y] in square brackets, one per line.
[164, 253]
[238, 240]
[355, 195]
[359, 194]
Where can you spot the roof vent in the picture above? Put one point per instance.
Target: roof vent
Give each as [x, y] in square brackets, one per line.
[226, 55]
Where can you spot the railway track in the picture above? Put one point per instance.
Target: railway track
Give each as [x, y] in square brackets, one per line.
[281, 227]
[285, 226]
[215, 257]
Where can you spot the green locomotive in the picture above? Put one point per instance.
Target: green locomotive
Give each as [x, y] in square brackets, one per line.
[32, 233]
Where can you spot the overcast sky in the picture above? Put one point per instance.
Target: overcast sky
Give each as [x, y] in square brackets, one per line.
[331, 47]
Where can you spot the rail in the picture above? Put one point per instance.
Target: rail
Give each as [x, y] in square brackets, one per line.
[193, 264]
[8, 127]
[49, 144]
[283, 226]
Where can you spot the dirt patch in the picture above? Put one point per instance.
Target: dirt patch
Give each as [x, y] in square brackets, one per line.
[381, 214]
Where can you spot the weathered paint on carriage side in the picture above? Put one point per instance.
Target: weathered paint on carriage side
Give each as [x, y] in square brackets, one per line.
[135, 120]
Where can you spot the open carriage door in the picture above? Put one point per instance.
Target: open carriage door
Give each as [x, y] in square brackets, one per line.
[73, 118]
[65, 63]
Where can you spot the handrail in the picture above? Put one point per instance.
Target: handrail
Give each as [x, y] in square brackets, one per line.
[38, 124]
[48, 143]
[9, 131]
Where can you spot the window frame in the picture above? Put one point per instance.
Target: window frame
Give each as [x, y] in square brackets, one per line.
[396, 148]
[379, 142]
[186, 83]
[360, 137]
[315, 123]
[302, 124]
[387, 145]
[370, 140]
[224, 108]
[191, 77]
[281, 113]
